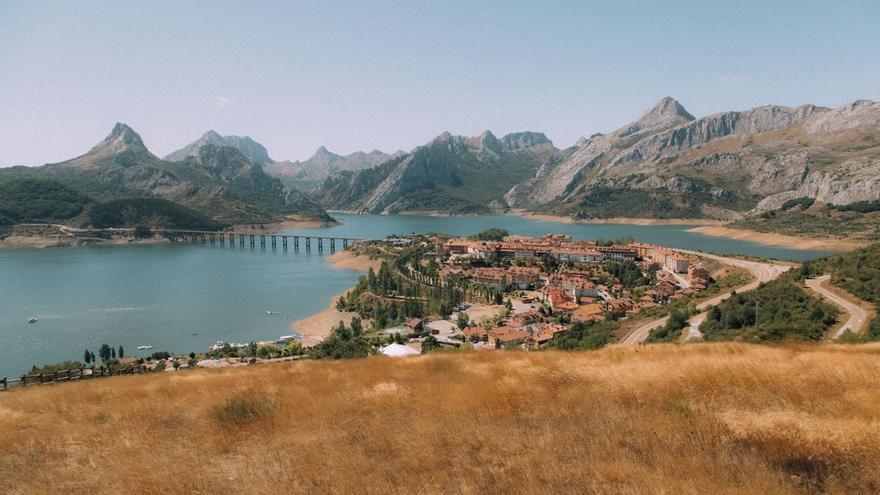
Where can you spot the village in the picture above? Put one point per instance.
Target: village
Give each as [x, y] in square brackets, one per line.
[544, 285]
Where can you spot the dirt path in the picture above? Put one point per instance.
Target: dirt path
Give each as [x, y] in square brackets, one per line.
[858, 315]
[763, 272]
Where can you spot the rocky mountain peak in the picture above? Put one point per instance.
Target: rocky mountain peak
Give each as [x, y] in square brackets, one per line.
[212, 136]
[666, 111]
[120, 140]
[125, 136]
[521, 141]
[251, 149]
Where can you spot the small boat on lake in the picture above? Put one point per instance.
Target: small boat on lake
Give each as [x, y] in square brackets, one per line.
[32, 319]
[144, 347]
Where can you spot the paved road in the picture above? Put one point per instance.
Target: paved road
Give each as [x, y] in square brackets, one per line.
[762, 271]
[858, 316]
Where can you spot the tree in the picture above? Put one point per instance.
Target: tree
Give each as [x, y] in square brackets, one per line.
[430, 343]
[121, 352]
[104, 352]
[493, 234]
[87, 357]
[356, 326]
[463, 320]
[112, 353]
[142, 232]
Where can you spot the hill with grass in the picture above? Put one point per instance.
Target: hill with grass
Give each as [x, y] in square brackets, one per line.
[707, 418]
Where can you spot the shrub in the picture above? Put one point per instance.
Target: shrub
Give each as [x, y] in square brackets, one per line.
[240, 411]
[142, 232]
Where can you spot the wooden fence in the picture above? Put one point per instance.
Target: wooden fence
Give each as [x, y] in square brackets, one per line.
[69, 375]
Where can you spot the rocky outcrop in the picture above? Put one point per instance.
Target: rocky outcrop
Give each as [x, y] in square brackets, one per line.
[451, 173]
[765, 155]
[254, 151]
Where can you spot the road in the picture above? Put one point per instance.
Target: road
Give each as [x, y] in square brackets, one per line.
[762, 271]
[858, 316]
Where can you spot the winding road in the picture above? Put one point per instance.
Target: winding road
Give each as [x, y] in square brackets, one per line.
[858, 316]
[762, 271]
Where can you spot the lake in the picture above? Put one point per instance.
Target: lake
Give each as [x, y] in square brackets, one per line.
[183, 298]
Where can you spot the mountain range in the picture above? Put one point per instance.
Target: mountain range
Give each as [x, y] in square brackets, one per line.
[213, 178]
[307, 174]
[664, 164]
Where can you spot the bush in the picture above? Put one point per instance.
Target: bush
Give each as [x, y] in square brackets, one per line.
[493, 234]
[774, 311]
[160, 356]
[142, 232]
[586, 335]
[241, 412]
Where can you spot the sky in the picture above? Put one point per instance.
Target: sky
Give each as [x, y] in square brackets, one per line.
[393, 75]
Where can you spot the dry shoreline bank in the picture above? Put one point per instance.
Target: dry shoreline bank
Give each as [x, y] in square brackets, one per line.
[782, 240]
[317, 327]
[622, 220]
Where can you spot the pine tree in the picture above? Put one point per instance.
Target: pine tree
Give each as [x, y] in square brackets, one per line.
[104, 352]
[87, 356]
[121, 352]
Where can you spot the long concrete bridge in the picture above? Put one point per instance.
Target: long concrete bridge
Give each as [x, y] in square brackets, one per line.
[251, 239]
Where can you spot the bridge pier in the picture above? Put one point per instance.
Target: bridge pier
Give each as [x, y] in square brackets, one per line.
[284, 242]
[212, 239]
[308, 243]
[222, 239]
[252, 240]
[262, 241]
[320, 244]
[344, 244]
[332, 244]
[273, 242]
[296, 243]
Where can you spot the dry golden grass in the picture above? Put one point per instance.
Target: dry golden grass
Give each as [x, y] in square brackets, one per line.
[701, 418]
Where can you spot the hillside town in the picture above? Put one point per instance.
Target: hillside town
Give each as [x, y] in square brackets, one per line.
[543, 285]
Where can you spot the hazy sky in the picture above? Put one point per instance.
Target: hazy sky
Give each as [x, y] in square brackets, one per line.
[391, 75]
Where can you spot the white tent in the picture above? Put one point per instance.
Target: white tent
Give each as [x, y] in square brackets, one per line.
[398, 350]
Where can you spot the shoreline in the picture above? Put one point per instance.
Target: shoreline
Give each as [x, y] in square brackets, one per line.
[315, 328]
[780, 240]
[618, 220]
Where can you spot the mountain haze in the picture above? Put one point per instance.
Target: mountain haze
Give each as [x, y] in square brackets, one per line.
[323, 164]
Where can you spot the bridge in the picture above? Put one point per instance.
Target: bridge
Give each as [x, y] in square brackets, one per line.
[251, 239]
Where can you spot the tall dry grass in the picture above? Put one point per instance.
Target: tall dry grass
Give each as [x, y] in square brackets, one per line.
[704, 418]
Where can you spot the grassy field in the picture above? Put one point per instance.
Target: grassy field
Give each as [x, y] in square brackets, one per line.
[700, 418]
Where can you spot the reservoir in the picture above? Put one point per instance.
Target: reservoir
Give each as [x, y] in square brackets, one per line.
[182, 298]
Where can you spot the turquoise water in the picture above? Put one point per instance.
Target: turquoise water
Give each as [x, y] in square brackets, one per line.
[162, 295]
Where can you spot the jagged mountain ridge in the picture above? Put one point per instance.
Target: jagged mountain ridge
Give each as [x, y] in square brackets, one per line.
[665, 164]
[451, 174]
[220, 181]
[251, 149]
[323, 164]
[721, 166]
